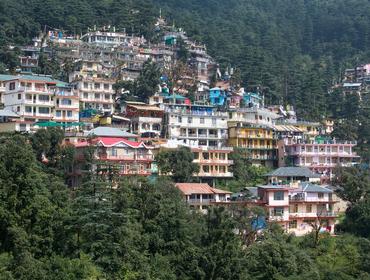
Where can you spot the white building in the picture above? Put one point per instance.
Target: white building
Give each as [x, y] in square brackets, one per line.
[196, 125]
[95, 86]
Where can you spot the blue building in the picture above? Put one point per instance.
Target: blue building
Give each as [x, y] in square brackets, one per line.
[217, 96]
[252, 99]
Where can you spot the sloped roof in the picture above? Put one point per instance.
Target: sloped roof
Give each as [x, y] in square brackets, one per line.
[7, 77]
[8, 113]
[293, 172]
[199, 188]
[110, 132]
[113, 141]
[309, 187]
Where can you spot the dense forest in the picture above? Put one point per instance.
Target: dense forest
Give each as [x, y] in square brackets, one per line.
[131, 228]
[294, 50]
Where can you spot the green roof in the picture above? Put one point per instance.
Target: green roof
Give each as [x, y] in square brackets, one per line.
[4, 77]
[56, 124]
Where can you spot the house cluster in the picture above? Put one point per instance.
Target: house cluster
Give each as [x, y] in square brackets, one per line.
[124, 136]
[292, 197]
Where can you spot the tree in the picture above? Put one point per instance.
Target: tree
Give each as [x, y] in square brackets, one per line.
[177, 163]
[353, 183]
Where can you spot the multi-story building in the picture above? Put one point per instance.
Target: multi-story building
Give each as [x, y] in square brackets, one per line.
[252, 129]
[311, 206]
[213, 163]
[298, 208]
[94, 83]
[196, 125]
[66, 102]
[145, 119]
[31, 97]
[322, 155]
[125, 156]
[201, 196]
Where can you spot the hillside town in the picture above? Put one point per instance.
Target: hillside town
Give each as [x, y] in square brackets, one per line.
[194, 105]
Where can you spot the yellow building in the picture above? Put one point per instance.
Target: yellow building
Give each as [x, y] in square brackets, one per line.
[259, 140]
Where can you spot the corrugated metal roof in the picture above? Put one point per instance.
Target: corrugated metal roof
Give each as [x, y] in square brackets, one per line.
[110, 132]
[293, 172]
[309, 187]
[199, 188]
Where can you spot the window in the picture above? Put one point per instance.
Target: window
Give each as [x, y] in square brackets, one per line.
[106, 86]
[44, 110]
[293, 224]
[106, 96]
[86, 85]
[279, 195]
[19, 96]
[201, 120]
[12, 86]
[69, 114]
[309, 208]
[179, 119]
[114, 152]
[97, 86]
[86, 95]
[28, 109]
[190, 119]
[196, 155]
[278, 211]
[320, 195]
[43, 98]
[97, 95]
[214, 121]
[66, 102]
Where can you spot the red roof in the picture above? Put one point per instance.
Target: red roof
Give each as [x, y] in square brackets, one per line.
[199, 188]
[111, 141]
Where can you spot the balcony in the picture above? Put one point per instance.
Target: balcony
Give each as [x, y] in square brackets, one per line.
[126, 157]
[323, 214]
[214, 161]
[215, 174]
[311, 199]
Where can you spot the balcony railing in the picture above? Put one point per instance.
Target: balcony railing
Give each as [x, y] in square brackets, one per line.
[125, 157]
[314, 214]
[311, 199]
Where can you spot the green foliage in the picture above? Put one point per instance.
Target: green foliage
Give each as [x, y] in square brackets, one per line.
[177, 163]
[245, 174]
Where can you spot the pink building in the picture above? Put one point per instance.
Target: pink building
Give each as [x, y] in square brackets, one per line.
[321, 157]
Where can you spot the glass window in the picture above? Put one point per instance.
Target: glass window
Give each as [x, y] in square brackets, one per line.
[179, 119]
[19, 96]
[44, 110]
[278, 211]
[28, 109]
[309, 208]
[97, 95]
[12, 86]
[106, 86]
[190, 119]
[202, 120]
[86, 95]
[106, 96]
[58, 113]
[320, 195]
[293, 224]
[279, 195]
[86, 85]
[44, 98]
[69, 114]
[66, 102]
[97, 86]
